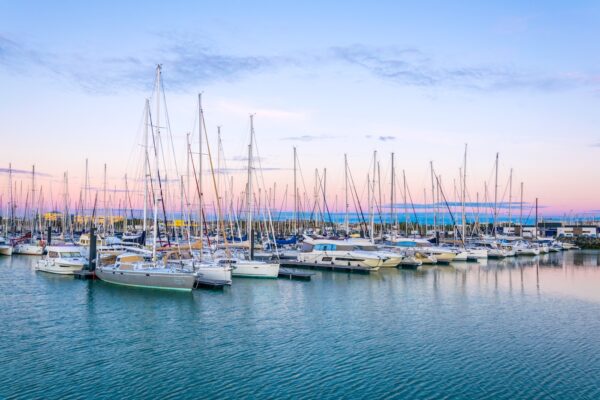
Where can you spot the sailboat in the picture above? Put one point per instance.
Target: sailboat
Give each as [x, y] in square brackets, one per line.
[136, 268]
[248, 267]
[27, 244]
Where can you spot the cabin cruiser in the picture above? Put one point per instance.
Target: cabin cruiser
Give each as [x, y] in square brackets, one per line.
[5, 248]
[525, 249]
[132, 269]
[339, 252]
[63, 260]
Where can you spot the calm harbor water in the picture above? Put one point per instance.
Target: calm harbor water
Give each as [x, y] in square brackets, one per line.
[523, 328]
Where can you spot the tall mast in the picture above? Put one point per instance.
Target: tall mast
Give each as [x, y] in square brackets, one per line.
[379, 200]
[104, 202]
[324, 191]
[521, 210]
[495, 196]
[12, 204]
[405, 205]
[425, 204]
[295, 196]
[464, 195]
[536, 218]
[249, 188]
[392, 190]
[201, 197]
[188, 151]
[33, 200]
[146, 166]
[510, 198]
[347, 205]
[433, 211]
[373, 198]
[66, 209]
[218, 194]
[156, 153]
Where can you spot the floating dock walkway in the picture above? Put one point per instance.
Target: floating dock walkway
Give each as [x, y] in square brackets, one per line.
[295, 275]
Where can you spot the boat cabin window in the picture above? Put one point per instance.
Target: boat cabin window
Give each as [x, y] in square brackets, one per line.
[325, 247]
[52, 254]
[70, 254]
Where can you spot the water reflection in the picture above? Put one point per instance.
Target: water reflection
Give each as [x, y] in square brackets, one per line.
[574, 273]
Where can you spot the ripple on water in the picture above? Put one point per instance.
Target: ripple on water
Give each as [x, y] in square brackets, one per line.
[515, 329]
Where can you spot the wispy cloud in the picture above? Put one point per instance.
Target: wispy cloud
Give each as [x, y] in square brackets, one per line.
[409, 66]
[597, 144]
[307, 138]
[22, 172]
[381, 138]
[188, 63]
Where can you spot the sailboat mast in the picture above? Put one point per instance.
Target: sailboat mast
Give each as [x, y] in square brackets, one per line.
[495, 196]
[521, 210]
[201, 196]
[405, 205]
[146, 166]
[324, 191]
[249, 187]
[104, 202]
[510, 180]
[392, 191]
[33, 200]
[464, 194]
[433, 211]
[12, 203]
[295, 195]
[372, 194]
[156, 161]
[347, 205]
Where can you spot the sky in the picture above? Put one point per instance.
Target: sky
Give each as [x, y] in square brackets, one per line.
[419, 79]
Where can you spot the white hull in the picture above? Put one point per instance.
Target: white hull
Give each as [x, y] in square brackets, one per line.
[6, 250]
[150, 278]
[528, 252]
[477, 254]
[60, 268]
[215, 273]
[462, 256]
[255, 269]
[28, 249]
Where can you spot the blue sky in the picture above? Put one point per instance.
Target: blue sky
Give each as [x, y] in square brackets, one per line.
[420, 79]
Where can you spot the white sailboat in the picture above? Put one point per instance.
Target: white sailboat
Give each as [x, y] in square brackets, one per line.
[133, 269]
[252, 268]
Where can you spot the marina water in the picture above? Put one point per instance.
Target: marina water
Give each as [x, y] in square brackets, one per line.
[524, 328]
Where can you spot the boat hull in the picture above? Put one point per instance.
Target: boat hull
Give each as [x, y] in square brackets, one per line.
[147, 279]
[215, 273]
[28, 249]
[254, 269]
[6, 250]
[57, 268]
